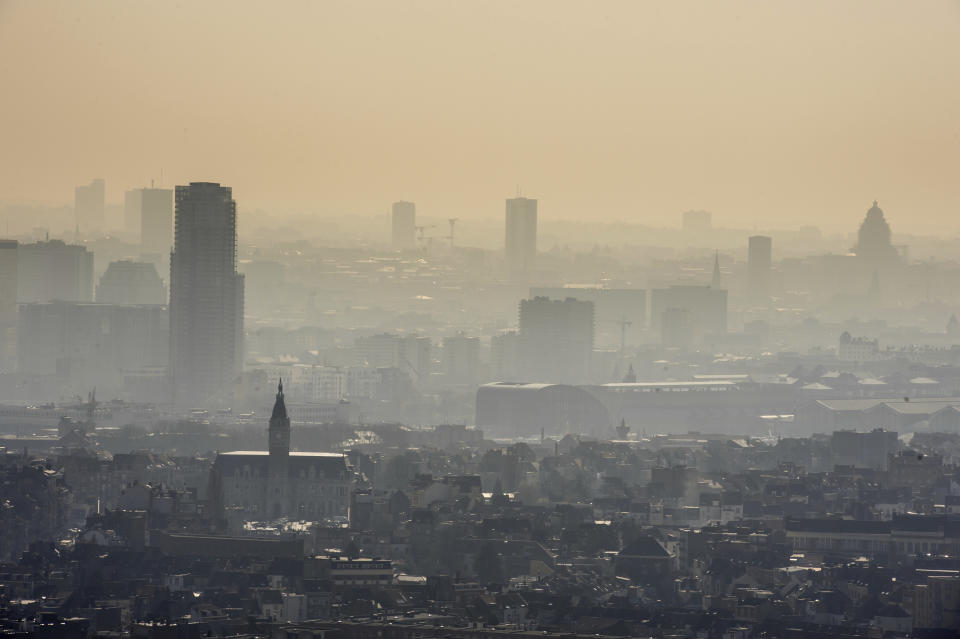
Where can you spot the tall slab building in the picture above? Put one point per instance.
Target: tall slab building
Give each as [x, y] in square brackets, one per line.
[206, 296]
[404, 225]
[89, 205]
[520, 237]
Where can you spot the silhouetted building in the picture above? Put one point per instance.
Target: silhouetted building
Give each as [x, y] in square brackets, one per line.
[156, 220]
[706, 304]
[619, 313]
[556, 340]
[874, 246]
[279, 483]
[83, 344]
[8, 305]
[520, 238]
[520, 410]
[404, 220]
[759, 264]
[54, 270]
[206, 295]
[128, 282]
[89, 205]
[857, 349]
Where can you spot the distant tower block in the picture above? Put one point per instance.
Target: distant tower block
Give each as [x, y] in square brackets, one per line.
[404, 221]
[520, 236]
[759, 265]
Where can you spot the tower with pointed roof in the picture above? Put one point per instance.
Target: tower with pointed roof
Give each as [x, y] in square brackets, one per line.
[279, 461]
[715, 282]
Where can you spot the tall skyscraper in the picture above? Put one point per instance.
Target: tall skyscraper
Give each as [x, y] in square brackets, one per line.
[404, 225]
[556, 340]
[156, 220]
[89, 204]
[759, 263]
[8, 305]
[520, 238]
[206, 295]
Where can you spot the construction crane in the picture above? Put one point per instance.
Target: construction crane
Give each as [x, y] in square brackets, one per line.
[453, 221]
[421, 238]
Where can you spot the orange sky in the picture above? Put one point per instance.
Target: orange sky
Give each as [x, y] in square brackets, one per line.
[765, 113]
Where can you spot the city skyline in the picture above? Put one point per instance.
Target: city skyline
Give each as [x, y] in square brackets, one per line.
[835, 112]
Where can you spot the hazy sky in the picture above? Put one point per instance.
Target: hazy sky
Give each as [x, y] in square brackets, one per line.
[765, 113]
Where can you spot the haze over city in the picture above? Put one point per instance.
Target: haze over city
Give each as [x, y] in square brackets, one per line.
[771, 115]
[458, 320]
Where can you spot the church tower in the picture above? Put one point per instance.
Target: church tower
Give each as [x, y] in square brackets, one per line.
[278, 466]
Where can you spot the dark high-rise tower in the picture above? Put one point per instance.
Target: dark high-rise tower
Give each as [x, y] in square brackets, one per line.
[520, 237]
[206, 295]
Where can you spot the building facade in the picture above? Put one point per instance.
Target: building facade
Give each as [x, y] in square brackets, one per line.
[54, 270]
[279, 483]
[520, 238]
[206, 296]
[556, 340]
[404, 225]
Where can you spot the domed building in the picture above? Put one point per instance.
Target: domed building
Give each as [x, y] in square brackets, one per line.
[874, 245]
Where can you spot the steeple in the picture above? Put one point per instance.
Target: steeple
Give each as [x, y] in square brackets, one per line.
[279, 406]
[715, 281]
[279, 434]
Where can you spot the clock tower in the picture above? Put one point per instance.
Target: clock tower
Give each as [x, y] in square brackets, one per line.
[279, 447]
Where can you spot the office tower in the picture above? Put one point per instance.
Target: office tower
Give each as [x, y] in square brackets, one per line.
[520, 239]
[874, 246]
[206, 295]
[707, 307]
[8, 306]
[556, 340]
[759, 263]
[404, 225]
[54, 270]
[127, 282]
[89, 204]
[620, 314]
[132, 201]
[697, 221]
[156, 220]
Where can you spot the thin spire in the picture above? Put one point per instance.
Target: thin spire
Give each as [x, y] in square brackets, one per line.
[715, 281]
